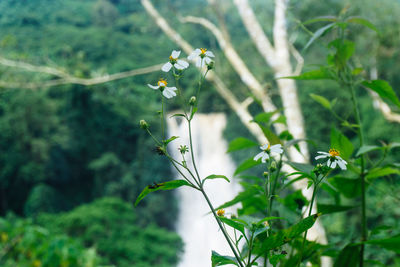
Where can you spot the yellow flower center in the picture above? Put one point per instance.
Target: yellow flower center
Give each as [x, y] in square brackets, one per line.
[268, 148]
[172, 59]
[221, 212]
[162, 82]
[203, 51]
[334, 152]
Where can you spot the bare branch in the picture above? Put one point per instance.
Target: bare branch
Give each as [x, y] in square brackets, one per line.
[255, 31]
[299, 58]
[66, 78]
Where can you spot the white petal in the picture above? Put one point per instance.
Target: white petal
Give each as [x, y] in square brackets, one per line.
[333, 165]
[209, 54]
[166, 67]
[321, 157]
[264, 147]
[194, 54]
[199, 62]
[323, 153]
[264, 158]
[277, 149]
[155, 87]
[172, 89]
[183, 63]
[207, 60]
[175, 54]
[167, 94]
[342, 164]
[259, 155]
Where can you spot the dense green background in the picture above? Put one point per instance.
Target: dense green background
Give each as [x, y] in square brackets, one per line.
[65, 148]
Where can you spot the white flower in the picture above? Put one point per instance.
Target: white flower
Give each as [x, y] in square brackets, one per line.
[333, 158]
[201, 56]
[168, 92]
[174, 61]
[267, 150]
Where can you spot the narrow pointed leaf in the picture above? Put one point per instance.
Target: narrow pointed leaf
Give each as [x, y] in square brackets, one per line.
[216, 176]
[162, 186]
[318, 34]
[366, 149]
[241, 143]
[349, 256]
[327, 209]
[320, 74]
[381, 171]
[219, 260]
[233, 223]
[321, 100]
[392, 243]
[362, 21]
[384, 90]
[249, 163]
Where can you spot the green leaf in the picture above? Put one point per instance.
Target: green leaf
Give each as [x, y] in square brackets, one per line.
[247, 164]
[233, 223]
[380, 172]
[248, 193]
[392, 243]
[318, 34]
[384, 90]
[241, 143]
[162, 186]
[216, 176]
[320, 19]
[286, 235]
[321, 74]
[362, 21]
[366, 149]
[304, 168]
[327, 208]
[264, 117]
[349, 187]
[349, 256]
[322, 100]
[178, 115]
[172, 138]
[219, 260]
[344, 50]
[341, 143]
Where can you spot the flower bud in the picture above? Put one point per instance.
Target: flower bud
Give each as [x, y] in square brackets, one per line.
[143, 124]
[273, 166]
[210, 65]
[192, 101]
[265, 174]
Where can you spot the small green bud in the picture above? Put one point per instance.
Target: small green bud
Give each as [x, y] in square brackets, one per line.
[265, 174]
[143, 124]
[192, 101]
[273, 166]
[210, 65]
[183, 149]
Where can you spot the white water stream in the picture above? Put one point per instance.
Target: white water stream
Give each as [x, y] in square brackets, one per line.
[195, 225]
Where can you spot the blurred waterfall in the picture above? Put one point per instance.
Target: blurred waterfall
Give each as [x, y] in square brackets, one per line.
[197, 228]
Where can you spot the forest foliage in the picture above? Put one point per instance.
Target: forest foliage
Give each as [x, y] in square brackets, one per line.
[67, 146]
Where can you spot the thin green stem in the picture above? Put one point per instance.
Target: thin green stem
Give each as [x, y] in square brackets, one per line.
[250, 249]
[191, 151]
[222, 228]
[315, 189]
[162, 117]
[364, 234]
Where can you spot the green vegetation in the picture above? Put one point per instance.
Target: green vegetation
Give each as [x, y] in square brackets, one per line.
[69, 152]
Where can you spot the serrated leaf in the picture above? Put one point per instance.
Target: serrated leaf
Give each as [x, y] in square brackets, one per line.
[329, 208]
[392, 243]
[219, 260]
[348, 256]
[362, 21]
[349, 187]
[241, 143]
[286, 235]
[234, 224]
[162, 186]
[366, 149]
[380, 172]
[318, 34]
[341, 143]
[384, 90]
[321, 100]
[320, 74]
[248, 193]
[216, 176]
[247, 164]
